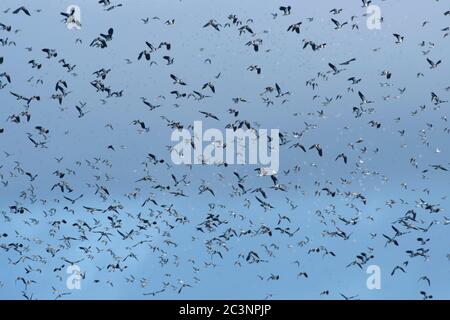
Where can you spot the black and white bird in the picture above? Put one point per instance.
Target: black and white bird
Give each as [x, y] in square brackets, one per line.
[398, 38]
[433, 64]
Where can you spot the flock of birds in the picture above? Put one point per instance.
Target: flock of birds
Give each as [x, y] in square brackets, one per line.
[241, 217]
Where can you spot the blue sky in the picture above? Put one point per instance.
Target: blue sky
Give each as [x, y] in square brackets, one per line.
[378, 176]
